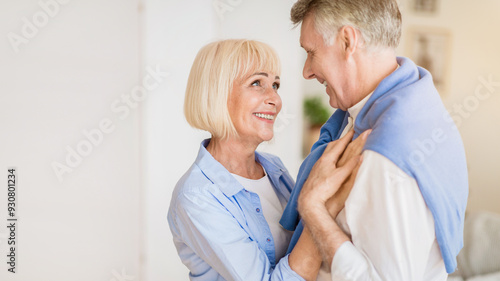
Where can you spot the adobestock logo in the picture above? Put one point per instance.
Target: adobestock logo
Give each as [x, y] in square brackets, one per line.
[123, 276]
[121, 107]
[223, 6]
[283, 120]
[485, 89]
[31, 27]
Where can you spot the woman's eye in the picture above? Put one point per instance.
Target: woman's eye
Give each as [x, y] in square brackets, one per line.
[276, 86]
[256, 83]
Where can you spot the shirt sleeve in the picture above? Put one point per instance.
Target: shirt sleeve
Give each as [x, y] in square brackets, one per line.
[215, 236]
[392, 230]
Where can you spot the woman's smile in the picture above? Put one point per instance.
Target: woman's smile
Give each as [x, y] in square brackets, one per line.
[266, 116]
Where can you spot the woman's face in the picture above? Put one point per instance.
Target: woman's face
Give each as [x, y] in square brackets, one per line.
[253, 105]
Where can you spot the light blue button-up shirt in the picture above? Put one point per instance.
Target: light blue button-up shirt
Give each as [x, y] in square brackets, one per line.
[218, 227]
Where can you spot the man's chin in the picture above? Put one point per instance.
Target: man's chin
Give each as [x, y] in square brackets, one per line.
[333, 103]
[337, 105]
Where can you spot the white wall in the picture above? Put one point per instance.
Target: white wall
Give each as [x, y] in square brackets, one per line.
[175, 31]
[63, 81]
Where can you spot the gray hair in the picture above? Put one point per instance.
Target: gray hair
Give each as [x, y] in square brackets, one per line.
[378, 21]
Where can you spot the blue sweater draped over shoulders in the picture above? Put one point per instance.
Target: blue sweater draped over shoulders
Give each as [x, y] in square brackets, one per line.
[411, 127]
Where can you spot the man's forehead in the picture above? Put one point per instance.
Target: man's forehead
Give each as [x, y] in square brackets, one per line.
[307, 32]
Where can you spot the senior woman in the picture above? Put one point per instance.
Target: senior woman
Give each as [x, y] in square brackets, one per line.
[225, 210]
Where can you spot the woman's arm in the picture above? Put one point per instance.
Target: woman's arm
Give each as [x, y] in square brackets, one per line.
[210, 240]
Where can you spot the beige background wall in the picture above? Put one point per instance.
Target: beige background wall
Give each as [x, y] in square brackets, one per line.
[475, 55]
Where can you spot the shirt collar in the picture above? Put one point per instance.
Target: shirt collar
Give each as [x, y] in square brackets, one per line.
[221, 177]
[355, 109]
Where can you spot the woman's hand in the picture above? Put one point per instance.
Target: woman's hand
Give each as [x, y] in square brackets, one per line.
[330, 172]
[337, 202]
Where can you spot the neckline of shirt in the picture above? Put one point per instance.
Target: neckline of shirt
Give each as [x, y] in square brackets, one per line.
[355, 109]
[251, 180]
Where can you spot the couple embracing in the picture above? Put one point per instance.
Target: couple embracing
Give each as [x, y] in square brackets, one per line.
[367, 204]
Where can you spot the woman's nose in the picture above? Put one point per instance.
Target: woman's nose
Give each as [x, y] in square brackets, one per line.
[274, 99]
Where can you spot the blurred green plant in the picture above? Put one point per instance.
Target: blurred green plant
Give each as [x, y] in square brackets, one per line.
[315, 111]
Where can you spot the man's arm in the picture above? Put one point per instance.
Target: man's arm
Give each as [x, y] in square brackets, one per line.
[392, 229]
[324, 230]
[305, 258]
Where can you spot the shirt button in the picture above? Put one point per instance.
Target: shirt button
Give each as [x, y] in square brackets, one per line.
[258, 210]
[268, 239]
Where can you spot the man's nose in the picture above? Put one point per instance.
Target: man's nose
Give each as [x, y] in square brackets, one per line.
[307, 72]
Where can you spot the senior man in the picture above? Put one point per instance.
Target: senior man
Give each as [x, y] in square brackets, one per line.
[403, 219]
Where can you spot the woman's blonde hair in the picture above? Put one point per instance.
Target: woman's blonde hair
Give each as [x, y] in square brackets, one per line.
[216, 67]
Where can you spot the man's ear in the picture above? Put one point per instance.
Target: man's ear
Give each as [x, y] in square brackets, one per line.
[349, 38]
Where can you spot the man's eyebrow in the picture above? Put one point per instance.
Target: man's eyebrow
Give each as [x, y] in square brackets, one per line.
[305, 48]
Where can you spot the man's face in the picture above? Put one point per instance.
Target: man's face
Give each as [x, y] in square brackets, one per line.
[326, 64]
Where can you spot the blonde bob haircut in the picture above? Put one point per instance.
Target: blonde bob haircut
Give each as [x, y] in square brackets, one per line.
[215, 69]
